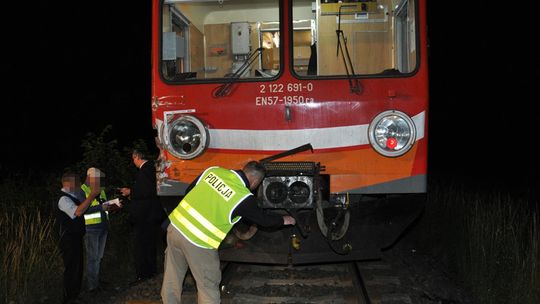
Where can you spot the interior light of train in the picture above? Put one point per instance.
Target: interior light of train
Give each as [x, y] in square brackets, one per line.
[392, 133]
[188, 137]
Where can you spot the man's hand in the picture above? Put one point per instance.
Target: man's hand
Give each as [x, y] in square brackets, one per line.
[81, 209]
[125, 191]
[110, 207]
[94, 192]
[288, 220]
[105, 207]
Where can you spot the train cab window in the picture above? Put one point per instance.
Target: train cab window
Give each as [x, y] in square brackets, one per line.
[207, 39]
[353, 37]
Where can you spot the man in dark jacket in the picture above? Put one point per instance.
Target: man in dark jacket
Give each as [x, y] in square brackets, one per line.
[146, 215]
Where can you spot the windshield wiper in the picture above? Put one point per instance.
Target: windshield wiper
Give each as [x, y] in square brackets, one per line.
[226, 88]
[354, 84]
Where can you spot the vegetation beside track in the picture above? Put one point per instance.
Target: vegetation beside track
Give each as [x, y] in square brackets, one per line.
[489, 237]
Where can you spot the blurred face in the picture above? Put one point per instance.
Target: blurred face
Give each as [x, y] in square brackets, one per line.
[94, 182]
[71, 184]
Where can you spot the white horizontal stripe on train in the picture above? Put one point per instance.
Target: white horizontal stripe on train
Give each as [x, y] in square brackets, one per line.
[320, 138]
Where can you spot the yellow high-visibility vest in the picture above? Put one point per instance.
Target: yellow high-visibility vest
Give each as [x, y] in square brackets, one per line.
[94, 217]
[204, 216]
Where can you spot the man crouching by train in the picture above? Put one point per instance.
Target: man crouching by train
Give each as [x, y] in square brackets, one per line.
[214, 202]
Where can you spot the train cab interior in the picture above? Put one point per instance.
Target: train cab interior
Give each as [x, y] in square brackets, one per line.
[217, 39]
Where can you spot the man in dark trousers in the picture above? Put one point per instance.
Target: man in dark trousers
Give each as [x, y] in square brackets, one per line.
[69, 215]
[146, 215]
[214, 202]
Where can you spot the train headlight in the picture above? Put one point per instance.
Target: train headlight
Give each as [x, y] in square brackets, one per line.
[392, 133]
[187, 137]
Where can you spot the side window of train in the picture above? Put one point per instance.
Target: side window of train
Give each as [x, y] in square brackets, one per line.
[366, 37]
[206, 39]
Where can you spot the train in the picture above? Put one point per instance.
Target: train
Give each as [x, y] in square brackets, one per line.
[330, 96]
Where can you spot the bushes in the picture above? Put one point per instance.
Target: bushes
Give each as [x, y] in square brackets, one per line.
[102, 152]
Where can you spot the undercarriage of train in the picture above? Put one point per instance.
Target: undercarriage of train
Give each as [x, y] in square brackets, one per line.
[329, 226]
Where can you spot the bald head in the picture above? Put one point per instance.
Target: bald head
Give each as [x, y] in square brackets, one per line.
[255, 173]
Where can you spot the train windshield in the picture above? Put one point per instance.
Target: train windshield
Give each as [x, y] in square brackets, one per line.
[354, 37]
[219, 39]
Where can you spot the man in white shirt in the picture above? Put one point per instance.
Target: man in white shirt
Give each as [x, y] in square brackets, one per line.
[69, 215]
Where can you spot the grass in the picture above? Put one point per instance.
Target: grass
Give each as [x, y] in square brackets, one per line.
[31, 263]
[490, 239]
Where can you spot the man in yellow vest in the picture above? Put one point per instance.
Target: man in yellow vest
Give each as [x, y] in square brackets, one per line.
[213, 203]
[97, 222]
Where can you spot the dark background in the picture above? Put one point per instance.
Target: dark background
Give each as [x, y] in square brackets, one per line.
[73, 68]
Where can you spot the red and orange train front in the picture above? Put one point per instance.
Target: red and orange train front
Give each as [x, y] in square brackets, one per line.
[239, 80]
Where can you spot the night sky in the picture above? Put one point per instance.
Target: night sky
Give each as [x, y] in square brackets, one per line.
[75, 68]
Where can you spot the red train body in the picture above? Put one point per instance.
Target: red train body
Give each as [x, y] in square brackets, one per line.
[239, 80]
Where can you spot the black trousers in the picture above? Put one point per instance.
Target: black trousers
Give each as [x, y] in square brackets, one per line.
[71, 248]
[145, 248]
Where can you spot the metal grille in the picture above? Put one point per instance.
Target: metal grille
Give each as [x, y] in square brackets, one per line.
[291, 168]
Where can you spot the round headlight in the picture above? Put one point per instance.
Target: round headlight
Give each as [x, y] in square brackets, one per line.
[392, 133]
[187, 137]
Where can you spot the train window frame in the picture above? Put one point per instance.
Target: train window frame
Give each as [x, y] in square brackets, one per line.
[392, 73]
[189, 81]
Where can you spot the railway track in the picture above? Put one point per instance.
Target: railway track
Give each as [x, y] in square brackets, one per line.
[372, 282]
[360, 282]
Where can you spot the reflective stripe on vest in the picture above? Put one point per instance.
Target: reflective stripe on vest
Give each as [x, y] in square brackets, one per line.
[213, 229]
[204, 216]
[94, 217]
[195, 231]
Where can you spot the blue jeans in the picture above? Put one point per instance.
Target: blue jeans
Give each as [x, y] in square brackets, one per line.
[94, 241]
